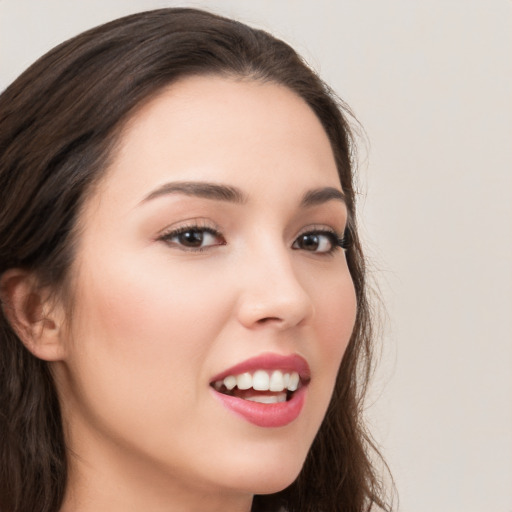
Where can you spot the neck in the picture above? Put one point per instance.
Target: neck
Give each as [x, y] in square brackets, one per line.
[93, 489]
[103, 477]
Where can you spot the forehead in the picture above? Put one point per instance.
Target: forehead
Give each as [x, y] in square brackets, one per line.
[242, 132]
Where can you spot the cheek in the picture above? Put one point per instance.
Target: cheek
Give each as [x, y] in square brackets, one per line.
[155, 309]
[140, 338]
[335, 310]
[335, 318]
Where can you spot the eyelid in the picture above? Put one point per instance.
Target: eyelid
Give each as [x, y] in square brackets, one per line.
[194, 223]
[320, 228]
[179, 228]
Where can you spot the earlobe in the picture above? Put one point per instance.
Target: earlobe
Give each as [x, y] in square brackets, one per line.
[29, 311]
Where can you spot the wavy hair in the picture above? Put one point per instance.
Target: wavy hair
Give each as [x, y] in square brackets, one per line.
[59, 124]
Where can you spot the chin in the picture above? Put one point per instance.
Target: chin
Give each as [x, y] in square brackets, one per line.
[268, 475]
[275, 483]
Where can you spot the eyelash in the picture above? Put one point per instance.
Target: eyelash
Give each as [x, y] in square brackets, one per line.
[337, 242]
[197, 228]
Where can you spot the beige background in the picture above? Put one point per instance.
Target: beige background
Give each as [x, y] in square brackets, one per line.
[432, 84]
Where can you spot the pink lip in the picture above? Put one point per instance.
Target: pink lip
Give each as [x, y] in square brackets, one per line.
[269, 361]
[267, 415]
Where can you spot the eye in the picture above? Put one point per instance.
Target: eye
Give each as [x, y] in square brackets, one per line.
[193, 238]
[318, 241]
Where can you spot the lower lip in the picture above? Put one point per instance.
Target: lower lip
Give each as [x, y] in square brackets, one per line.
[265, 415]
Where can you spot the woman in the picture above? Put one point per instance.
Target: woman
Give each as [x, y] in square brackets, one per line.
[185, 323]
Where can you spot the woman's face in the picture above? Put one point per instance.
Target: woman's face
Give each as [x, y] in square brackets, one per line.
[208, 258]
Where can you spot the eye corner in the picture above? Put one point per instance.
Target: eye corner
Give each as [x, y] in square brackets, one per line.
[345, 241]
[342, 243]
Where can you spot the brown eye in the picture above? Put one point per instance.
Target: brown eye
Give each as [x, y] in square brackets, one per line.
[194, 238]
[191, 238]
[317, 241]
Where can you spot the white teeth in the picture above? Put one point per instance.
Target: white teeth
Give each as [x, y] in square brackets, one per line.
[294, 381]
[268, 399]
[261, 380]
[276, 381]
[230, 382]
[244, 381]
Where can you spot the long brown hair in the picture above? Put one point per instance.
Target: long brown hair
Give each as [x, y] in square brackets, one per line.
[59, 122]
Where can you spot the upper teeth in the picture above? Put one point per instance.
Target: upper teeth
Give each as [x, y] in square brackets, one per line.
[261, 380]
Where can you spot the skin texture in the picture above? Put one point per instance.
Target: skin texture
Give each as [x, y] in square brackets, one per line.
[153, 321]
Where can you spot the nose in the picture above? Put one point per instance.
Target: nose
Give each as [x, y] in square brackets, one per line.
[272, 294]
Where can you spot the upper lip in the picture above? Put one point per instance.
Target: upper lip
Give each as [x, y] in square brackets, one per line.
[269, 361]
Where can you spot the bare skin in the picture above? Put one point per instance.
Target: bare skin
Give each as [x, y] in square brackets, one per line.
[156, 318]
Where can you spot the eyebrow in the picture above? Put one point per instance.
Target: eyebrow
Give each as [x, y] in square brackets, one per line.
[320, 196]
[200, 189]
[232, 194]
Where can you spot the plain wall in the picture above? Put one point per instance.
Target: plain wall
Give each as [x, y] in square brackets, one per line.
[431, 82]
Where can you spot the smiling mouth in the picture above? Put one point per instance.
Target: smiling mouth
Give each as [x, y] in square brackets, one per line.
[262, 386]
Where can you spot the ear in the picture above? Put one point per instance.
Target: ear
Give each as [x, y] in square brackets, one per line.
[33, 316]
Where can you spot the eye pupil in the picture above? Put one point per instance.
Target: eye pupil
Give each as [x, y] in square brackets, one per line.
[191, 238]
[310, 242]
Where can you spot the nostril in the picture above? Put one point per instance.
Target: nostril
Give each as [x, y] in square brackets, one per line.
[269, 319]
